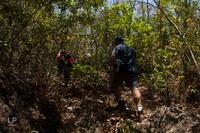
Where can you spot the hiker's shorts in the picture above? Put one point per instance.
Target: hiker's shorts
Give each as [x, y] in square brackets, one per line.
[118, 78]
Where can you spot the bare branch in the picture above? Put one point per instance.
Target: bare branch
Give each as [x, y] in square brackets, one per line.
[181, 35]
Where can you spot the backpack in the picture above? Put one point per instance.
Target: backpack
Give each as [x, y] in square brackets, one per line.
[69, 59]
[63, 57]
[126, 57]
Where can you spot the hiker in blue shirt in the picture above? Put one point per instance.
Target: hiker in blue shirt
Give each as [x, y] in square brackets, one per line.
[124, 70]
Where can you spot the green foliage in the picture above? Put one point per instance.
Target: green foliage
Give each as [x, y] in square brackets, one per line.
[32, 32]
[83, 69]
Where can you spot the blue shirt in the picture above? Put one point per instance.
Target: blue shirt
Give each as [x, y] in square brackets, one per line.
[125, 57]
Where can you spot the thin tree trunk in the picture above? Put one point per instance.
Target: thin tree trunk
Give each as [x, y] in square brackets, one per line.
[182, 36]
[143, 11]
[148, 11]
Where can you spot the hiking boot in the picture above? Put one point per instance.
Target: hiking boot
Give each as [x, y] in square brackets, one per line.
[139, 111]
[139, 108]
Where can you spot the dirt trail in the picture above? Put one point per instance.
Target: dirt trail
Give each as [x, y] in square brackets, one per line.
[92, 110]
[79, 108]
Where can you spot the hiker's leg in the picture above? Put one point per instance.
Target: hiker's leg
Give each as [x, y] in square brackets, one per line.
[137, 100]
[120, 101]
[115, 85]
[136, 96]
[66, 74]
[115, 88]
[60, 69]
[131, 82]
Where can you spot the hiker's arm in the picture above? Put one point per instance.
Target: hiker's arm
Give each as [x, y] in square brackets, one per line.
[113, 58]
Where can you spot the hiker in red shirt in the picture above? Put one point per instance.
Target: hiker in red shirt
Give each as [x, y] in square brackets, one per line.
[65, 63]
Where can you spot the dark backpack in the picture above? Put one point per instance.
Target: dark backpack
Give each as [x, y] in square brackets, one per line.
[126, 57]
